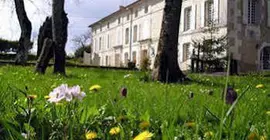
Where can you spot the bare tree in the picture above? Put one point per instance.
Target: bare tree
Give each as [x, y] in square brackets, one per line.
[82, 40]
[166, 68]
[26, 28]
[59, 32]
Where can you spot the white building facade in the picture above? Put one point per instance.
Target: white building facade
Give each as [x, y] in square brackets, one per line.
[132, 33]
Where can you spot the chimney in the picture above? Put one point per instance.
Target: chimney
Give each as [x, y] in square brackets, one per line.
[121, 7]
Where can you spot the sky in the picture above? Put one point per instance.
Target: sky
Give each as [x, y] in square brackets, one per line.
[81, 14]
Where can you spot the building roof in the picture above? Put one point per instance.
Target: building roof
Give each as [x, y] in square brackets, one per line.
[121, 9]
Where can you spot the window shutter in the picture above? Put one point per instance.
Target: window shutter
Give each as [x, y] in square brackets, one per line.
[202, 13]
[245, 11]
[268, 13]
[216, 10]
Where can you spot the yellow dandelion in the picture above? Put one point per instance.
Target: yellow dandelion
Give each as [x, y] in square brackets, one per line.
[208, 134]
[190, 124]
[47, 97]
[252, 136]
[268, 113]
[115, 131]
[95, 88]
[144, 124]
[32, 97]
[91, 135]
[260, 86]
[263, 138]
[146, 135]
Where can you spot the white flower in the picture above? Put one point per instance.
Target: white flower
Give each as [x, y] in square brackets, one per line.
[128, 75]
[24, 135]
[63, 92]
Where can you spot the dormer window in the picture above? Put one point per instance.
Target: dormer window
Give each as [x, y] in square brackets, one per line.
[146, 9]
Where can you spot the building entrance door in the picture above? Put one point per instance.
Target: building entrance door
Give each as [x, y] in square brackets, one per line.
[265, 58]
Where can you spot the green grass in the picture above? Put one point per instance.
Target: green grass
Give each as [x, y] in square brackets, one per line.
[165, 106]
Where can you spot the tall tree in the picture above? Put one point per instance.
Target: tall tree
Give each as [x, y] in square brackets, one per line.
[59, 31]
[26, 28]
[166, 68]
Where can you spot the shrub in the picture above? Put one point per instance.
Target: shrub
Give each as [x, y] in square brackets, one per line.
[145, 64]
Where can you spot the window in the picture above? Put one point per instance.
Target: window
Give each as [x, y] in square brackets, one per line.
[100, 43]
[146, 9]
[209, 13]
[127, 17]
[136, 13]
[126, 58]
[185, 52]
[252, 11]
[108, 25]
[187, 18]
[119, 20]
[135, 33]
[108, 41]
[134, 55]
[107, 60]
[96, 45]
[127, 36]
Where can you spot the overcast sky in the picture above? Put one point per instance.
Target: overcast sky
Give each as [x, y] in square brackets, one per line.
[81, 13]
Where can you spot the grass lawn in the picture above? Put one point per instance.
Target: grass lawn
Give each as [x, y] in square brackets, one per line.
[165, 110]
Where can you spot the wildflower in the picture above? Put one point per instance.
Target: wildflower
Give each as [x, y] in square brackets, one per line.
[24, 135]
[64, 92]
[76, 92]
[191, 95]
[146, 135]
[263, 138]
[260, 86]
[252, 136]
[231, 95]
[144, 124]
[190, 124]
[91, 135]
[115, 131]
[268, 113]
[127, 76]
[95, 88]
[121, 118]
[211, 92]
[123, 92]
[208, 134]
[47, 97]
[32, 97]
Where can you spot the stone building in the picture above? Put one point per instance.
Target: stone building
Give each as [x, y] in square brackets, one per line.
[132, 32]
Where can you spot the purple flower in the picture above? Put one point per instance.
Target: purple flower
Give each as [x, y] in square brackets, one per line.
[231, 95]
[123, 92]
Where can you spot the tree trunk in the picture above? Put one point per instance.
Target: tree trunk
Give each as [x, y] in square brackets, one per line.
[45, 31]
[59, 31]
[166, 68]
[45, 56]
[26, 29]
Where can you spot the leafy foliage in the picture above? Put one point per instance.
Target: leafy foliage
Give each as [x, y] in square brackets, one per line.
[8, 46]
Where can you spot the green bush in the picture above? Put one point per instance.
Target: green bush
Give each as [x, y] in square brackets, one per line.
[145, 64]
